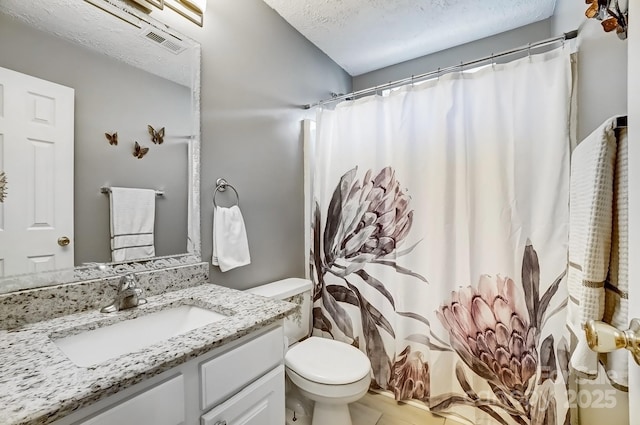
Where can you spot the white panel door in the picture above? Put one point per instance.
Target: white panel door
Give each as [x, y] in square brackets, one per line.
[634, 197]
[36, 154]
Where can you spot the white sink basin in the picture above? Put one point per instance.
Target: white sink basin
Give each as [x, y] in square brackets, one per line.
[95, 346]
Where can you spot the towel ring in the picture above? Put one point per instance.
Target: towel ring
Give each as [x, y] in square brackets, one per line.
[221, 186]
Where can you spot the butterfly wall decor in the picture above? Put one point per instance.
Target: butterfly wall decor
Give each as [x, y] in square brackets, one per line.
[157, 137]
[139, 151]
[112, 138]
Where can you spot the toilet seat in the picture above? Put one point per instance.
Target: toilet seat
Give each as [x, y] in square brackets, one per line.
[328, 362]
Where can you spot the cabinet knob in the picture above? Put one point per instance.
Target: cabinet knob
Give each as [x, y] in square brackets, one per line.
[221, 423]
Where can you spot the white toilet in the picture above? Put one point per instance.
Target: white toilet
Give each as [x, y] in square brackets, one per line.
[330, 373]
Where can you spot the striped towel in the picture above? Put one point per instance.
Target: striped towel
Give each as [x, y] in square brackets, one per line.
[598, 259]
[132, 223]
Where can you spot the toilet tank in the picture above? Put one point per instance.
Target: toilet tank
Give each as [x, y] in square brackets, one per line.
[297, 325]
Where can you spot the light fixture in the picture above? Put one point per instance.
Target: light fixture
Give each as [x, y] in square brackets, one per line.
[197, 5]
[193, 10]
[117, 12]
[146, 5]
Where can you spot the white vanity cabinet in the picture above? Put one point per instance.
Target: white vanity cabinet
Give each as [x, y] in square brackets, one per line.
[257, 403]
[241, 382]
[260, 403]
[160, 405]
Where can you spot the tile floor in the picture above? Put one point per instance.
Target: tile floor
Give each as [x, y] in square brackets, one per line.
[394, 413]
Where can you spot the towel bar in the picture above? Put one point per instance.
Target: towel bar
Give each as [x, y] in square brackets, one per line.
[105, 189]
[221, 186]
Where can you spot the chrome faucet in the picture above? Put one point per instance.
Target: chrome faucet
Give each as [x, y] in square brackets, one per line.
[129, 295]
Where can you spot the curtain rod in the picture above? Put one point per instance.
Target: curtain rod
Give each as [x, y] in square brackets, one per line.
[349, 96]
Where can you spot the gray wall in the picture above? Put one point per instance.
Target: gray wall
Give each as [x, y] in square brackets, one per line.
[256, 69]
[455, 55]
[256, 72]
[111, 96]
[602, 62]
[602, 67]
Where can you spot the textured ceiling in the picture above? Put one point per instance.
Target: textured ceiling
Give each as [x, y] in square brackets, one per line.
[365, 35]
[80, 22]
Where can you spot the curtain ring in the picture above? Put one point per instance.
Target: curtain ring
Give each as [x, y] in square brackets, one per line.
[461, 67]
[529, 51]
[438, 74]
[493, 64]
[412, 80]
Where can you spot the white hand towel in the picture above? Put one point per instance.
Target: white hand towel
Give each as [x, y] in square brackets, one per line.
[230, 245]
[132, 223]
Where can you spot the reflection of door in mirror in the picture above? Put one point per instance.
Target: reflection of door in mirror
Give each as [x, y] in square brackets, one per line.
[123, 81]
[36, 154]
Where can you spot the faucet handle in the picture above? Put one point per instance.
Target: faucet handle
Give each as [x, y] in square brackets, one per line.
[129, 294]
[140, 295]
[128, 281]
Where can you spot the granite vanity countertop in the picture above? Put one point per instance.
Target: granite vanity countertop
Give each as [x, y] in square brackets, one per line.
[39, 384]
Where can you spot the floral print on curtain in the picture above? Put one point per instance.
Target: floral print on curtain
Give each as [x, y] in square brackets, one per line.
[495, 328]
[440, 220]
[366, 223]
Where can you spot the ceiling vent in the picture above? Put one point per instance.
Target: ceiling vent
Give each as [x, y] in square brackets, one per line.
[167, 41]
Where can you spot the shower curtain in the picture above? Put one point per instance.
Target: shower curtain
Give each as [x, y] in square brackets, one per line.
[439, 237]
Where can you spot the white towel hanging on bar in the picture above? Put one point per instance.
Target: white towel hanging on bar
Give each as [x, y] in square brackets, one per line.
[598, 255]
[132, 223]
[230, 245]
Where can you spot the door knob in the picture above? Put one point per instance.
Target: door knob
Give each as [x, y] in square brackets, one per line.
[604, 338]
[63, 241]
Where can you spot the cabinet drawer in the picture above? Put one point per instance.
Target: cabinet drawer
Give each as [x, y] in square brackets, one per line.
[228, 373]
[160, 405]
[261, 403]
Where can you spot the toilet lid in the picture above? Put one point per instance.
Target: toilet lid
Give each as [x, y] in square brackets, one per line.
[326, 361]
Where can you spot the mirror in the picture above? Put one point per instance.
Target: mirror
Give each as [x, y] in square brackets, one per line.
[127, 71]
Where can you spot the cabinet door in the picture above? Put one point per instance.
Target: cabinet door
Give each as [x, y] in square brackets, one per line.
[261, 403]
[160, 405]
[229, 373]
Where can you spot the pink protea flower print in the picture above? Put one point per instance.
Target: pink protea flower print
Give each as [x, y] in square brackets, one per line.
[410, 376]
[366, 220]
[489, 329]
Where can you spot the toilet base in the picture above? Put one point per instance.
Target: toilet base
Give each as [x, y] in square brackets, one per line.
[293, 418]
[330, 402]
[331, 414]
[299, 419]
[296, 402]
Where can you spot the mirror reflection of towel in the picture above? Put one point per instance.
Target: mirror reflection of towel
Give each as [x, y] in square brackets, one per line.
[132, 223]
[230, 245]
